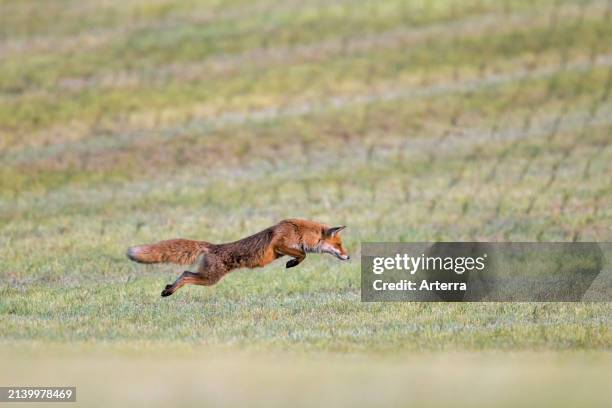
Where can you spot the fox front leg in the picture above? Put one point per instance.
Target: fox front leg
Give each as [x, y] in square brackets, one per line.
[293, 262]
[298, 256]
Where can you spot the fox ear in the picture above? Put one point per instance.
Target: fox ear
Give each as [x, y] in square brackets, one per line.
[331, 232]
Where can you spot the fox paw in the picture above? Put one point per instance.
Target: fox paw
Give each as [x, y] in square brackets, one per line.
[292, 263]
[166, 291]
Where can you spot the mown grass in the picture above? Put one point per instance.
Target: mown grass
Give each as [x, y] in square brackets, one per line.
[129, 123]
[70, 163]
[45, 106]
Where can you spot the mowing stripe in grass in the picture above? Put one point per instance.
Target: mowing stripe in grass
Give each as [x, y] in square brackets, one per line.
[489, 24]
[203, 126]
[45, 118]
[95, 35]
[102, 194]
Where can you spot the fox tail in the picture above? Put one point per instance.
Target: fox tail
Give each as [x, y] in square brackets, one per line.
[178, 251]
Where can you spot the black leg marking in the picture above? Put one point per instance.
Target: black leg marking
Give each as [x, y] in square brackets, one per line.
[167, 291]
[291, 263]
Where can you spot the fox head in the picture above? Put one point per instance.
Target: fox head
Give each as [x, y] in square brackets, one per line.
[331, 243]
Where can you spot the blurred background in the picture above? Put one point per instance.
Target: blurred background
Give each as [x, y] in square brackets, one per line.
[127, 122]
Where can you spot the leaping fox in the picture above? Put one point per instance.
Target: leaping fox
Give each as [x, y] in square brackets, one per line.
[293, 237]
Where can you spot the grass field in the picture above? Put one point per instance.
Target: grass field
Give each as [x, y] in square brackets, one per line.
[123, 123]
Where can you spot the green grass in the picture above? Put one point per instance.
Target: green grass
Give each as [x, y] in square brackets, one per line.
[126, 123]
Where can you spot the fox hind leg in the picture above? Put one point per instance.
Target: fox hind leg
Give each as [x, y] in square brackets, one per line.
[210, 271]
[189, 278]
[178, 283]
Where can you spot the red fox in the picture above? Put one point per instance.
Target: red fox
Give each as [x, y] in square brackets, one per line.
[293, 237]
